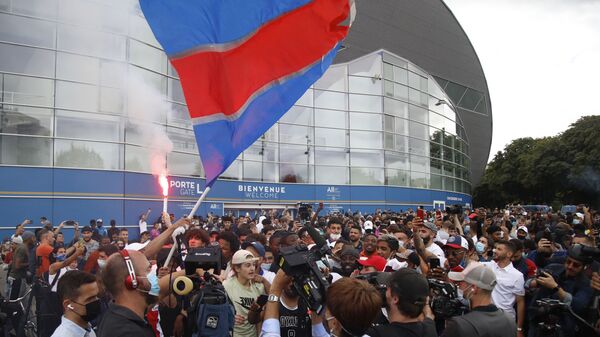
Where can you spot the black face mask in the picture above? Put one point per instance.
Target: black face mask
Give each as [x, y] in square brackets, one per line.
[92, 310]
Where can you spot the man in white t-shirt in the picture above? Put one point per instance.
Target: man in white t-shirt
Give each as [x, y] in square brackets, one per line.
[428, 232]
[510, 283]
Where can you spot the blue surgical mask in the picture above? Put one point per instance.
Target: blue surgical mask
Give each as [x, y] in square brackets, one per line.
[265, 266]
[479, 247]
[60, 257]
[467, 229]
[154, 287]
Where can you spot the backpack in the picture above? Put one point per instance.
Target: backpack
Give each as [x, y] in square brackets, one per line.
[211, 313]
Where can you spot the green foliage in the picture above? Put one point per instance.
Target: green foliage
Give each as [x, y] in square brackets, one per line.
[564, 169]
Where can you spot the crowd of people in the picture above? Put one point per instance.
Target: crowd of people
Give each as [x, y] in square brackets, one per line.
[503, 272]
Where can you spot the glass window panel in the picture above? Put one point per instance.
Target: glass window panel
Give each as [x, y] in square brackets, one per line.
[436, 166]
[88, 126]
[77, 68]
[400, 75]
[455, 91]
[424, 84]
[447, 154]
[137, 159]
[148, 57]
[153, 80]
[23, 30]
[45, 9]
[448, 184]
[435, 135]
[306, 99]
[397, 177]
[76, 96]
[139, 29]
[331, 100]
[470, 99]
[395, 107]
[331, 156]
[330, 137]
[414, 96]
[233, 172]
[449, 140]
[331, 118]
[270, 151]
[366, 103]
[435, 150]
[418, 114]
[28, 90]
[419, 164]
[364, 85]
[416, 70]
[401, 143]
[298, 115]
[388, 123]
[253, 152]
[388, 141]
[25, 60]
[137, 132]
[294, 173]
[448, 169]
[176, 91]
[331, 175]
[366, 176]
[418, 130]
[184, 164]
[365, 121]
[420, 147]
[414, 80]
[91, 42]
[419, 180]
[366, 139]
[369, 158]
[293, 154]
[401, 91]
[72, 153]
[388, 71]
[436, 182]
[401, 126]
[366, 66]
[252, 170]
[436, 120]
[272, 135]
[93, 14]
[183, 140]
[111, 100]
[396, 61]
[112, 74]
[30, 151]
[270, 172]
[397, 161]
[179, 116]
[294, 134]
[388, 88]
[25, 120]
[333, 79]
[482, 107]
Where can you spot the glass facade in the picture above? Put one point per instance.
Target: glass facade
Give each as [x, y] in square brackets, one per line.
[378, 120]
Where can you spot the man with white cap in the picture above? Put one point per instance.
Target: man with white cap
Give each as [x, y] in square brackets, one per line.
[477, 283]
[243, 291]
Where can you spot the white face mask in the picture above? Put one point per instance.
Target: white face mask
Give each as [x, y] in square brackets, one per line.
[400, 243]
[101, 264]
[335, 237]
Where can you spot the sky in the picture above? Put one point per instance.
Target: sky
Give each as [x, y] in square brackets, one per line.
[541, 59]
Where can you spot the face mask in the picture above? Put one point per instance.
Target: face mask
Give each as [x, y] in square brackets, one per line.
[92, 310]
[154, 287]
[479, 247]
[61, 257]
[467, 229]
[265, 266]
[101, 264]
[576, 222]
[400, 244]
[335, 237]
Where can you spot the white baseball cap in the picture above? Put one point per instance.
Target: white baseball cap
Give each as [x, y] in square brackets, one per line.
[243, 256]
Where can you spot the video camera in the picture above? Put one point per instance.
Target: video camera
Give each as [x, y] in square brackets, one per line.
[205, 258]
[548, 312]
[454, 209]
[445, 302]
[302, 265]
[379, 280]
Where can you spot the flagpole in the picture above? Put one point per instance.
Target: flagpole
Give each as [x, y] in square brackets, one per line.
[202, 197]
[191, 215]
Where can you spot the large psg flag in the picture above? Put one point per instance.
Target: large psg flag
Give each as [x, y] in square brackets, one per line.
[244, 63]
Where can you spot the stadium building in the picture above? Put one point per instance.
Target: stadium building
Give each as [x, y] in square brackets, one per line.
[402, 119]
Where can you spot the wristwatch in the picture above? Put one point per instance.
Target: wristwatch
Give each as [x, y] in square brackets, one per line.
[273, 298]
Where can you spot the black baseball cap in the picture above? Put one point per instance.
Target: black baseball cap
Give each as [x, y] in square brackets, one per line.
[86, 229]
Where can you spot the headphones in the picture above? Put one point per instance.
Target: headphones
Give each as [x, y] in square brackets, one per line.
[131, 282]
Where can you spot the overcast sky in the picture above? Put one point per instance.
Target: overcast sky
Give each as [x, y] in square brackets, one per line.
[541, 59]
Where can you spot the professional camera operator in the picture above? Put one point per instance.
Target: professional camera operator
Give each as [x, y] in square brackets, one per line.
[351, 306]
[485, 319]
[406, 302]
[566, 283]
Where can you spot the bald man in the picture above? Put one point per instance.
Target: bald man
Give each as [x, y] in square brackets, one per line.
[125, 317]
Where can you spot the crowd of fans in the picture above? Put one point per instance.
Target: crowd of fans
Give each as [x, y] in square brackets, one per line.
[515, 273]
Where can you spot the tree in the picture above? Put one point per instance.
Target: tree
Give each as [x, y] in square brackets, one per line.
[564, 169]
